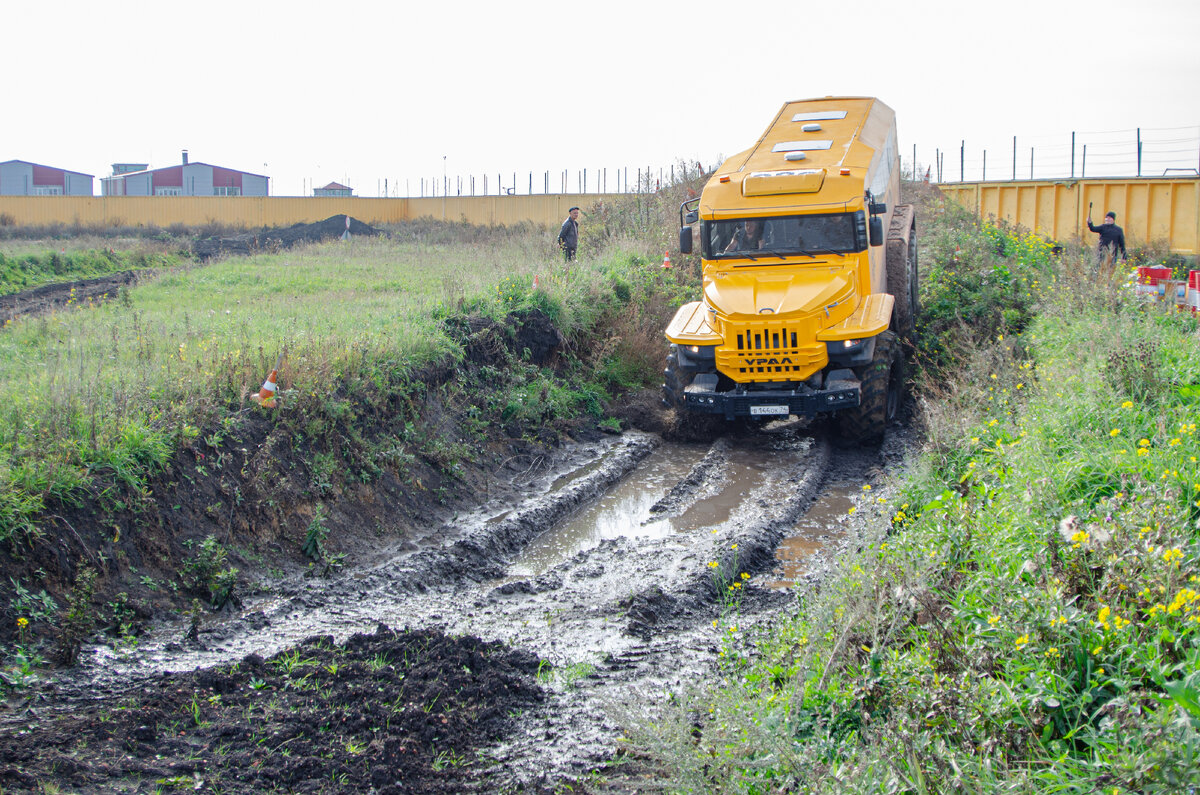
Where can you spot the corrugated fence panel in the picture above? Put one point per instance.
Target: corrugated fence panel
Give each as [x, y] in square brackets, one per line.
[1150, 210]
[252, 212]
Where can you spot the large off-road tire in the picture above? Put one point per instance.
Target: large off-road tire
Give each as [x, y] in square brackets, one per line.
[902, 272]
[675, 380]
[881, 396]
[689, 426]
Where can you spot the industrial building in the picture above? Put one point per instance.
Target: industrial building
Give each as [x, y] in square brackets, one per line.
[22, 178]
[186, 179]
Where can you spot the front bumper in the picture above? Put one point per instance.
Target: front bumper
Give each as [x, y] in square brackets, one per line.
[842, 391]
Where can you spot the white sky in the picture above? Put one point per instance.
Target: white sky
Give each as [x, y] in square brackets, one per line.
[357, 92]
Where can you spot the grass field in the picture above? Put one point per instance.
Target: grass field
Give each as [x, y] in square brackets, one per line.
[113, 388]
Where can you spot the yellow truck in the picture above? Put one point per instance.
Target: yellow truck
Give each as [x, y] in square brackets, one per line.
[809, 275]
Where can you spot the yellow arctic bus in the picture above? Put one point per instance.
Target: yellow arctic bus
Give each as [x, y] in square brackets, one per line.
[809, 275]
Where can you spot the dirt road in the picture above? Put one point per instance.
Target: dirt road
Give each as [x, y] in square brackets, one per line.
[497, 653]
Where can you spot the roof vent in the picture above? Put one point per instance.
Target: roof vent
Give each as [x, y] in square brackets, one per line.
[811, 127]
[795, 156]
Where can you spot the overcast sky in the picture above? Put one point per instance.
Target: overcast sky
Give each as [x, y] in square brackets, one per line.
[357, 92]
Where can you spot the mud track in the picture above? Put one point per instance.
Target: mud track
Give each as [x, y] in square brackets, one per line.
[498, 653]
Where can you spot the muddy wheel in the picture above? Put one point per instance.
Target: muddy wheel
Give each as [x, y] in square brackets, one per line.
[675, 380]
[882, 394]
[902, 273]
[689, 426]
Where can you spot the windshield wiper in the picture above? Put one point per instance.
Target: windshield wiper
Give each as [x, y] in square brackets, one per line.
[772, 251]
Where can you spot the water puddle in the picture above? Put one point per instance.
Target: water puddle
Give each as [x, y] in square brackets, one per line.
[747, 470]
[746, 484]
[822, 526]
[623, 511]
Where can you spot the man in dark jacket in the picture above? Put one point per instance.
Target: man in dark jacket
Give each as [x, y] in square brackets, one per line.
[1112, 240]
[568, 236]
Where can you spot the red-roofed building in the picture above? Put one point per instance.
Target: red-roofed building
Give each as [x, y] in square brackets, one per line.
[333, 189]
[22, 178]
[186, 179]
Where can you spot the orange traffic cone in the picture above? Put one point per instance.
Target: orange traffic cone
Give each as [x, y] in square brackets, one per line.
[266, 395]
[666, 260]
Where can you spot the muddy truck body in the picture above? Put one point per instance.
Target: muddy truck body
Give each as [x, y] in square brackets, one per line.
[809, 275]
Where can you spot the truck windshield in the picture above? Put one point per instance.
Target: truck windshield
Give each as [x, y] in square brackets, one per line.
[791, 235]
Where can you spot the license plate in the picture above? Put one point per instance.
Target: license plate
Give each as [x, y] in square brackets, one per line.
[760, 410]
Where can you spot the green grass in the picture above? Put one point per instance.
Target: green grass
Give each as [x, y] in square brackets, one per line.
[106, 393]
[34, 268]
[1026, 617]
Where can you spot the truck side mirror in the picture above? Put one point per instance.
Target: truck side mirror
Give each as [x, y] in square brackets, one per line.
[692, 217]
[685, 240]
[878, 208]
[876, 227]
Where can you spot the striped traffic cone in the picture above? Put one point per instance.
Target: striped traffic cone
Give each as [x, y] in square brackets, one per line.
[666, 260]
[266, 395]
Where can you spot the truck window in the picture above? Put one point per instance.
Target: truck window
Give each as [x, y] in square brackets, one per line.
[781, 235]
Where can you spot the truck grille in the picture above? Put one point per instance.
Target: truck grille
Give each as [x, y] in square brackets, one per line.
[771, 352]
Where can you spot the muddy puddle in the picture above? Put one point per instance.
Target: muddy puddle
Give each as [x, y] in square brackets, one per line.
[748, 481]
[822, 527]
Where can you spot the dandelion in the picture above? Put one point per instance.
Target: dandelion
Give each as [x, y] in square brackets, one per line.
[1128, 404]
[1143, 442]
[1115, 432]
[1022, 641]
[734, 547]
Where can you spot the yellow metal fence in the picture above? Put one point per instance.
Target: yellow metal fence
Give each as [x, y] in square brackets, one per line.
[252, 212]
[1149, 209]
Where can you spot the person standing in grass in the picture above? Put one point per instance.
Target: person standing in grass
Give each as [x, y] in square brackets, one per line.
[568, 236]
[1112, 240]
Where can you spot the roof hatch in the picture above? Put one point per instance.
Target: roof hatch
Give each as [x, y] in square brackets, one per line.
[771, 183]
[801, 146]
[820, 115]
